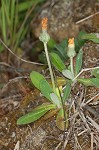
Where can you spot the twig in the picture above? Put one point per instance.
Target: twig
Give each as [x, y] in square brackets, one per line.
[91, 140]
[58, 146]
[67, 138]
[86, 18]
[14, 80]
[17, 146]
[84, 70]
[79, 134]
[93, 123]
[11, 97]
[5, 64]
[92, 98]
[65, 117]
[95, 103]
[84, 120]
[90, 94]
[84, 104]
[92, 111]
[96, 140]
[76, 140]
[12, 69]
[30, 62]
[68, 134]
[9, 68]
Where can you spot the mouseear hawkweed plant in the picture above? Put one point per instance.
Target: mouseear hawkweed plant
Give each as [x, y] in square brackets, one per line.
[56, 94]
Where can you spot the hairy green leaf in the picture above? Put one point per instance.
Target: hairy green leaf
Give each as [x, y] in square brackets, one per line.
[96, 40]
[36, 78]
[79, 42]
[57, 62]
[95, 72]
[51, 43]
[66, 92]
[45, 89]
[68, 74]
[91, 36]
[95, 82]
[85, 81]
[89, 81]
[78, 62]
[37, 113]
[60, 120]
[55, 99]
[62, 48]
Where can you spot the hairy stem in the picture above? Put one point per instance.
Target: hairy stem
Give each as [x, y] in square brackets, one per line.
[71, 65]
[49, 65]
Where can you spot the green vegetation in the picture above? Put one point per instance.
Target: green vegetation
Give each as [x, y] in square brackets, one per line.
[14, 15]
[58, 95]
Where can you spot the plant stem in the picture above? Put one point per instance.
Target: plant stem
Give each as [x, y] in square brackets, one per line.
[49, 65]
[71, 65]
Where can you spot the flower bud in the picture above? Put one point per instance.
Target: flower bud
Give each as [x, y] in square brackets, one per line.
[44, 23]
[44, 36]
[71, 48]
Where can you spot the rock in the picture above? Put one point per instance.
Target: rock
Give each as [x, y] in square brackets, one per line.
[63, 17]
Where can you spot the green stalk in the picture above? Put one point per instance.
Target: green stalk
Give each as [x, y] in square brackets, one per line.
[71, 65]
[49, 65]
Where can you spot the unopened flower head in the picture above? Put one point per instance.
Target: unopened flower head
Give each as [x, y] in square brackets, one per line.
[44, 23]
[44, 36]
[71, 42]
[71, 48]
